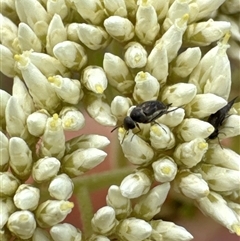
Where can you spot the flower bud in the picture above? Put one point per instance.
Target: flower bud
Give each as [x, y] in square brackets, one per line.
[150, 204]
[95, 237]
[136, 184]
[9, 184]
[61, 187]
[7, 208]
[53, 139]
[161, 137]
[65, 232]
[81, 161]
[133, 229]
[203, 105]
[120, 106]
[70, 54]
[116, 8]
[40, 234]
[191, 185]
[192, 128]
[190, 153]
[104, 221]
[120, 204]
[4, 153]
[4, 97]
[146, 87]
[135, 55]
[119, 28]
[164, 169]
[179, 94]
[59, 7]
[94, 37]
[52, 212]
[68, 90]
[45, 169]
[20, 158]
[26, 197]
[147, 26]
[118, 74]
[27, 38]
[170, 231]
[72, 119]
[94, 79]
[231, 127]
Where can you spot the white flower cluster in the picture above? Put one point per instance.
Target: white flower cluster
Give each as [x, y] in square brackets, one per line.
[110, 56]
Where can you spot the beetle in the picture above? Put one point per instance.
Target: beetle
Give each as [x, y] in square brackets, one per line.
[217, 119]
[146, 112]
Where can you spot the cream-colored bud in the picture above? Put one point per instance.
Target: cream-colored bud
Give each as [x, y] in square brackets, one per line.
[135, 149]
[33, 14]
[45, 169]
[9, 184]
[70, 54]
[220, 179]
[161, 137]
[118, 74]
[27, 39]
[68, 90]
[48, 65]
[36, 122]
[41, 234]
[164, 169]
[119, 28]
[185, 62]
[81, 161]
[192, 128]
[8, 32]
[20, 158]
[72, 32]
[150, 204]
[136, 184]
[135, 55]
[56, 33]
[85, 142]
[99, 109]
[117, 7]
[190, 153]
[95, 237]
[177, 9]
[157, 63]
[61, 187]
[203, 105]
[4, 97]
[216, 155]
[22, 224]
[91, 10]
[94, 37]
[7, 208]
[53, 139]
[26, 197]
[213, 73]
[191, 185]
[146, 88]
[4, 153]
[120, 204]
[231, 127]
[204, 33]
[216, 207]
[170, 231]
[173, 118]
[7, 62]
[120, 106]
[52, 212]
[179, 94]
[41, 91]
[58, 7]
[104, 221]
[72, 119]
[172, 38]
[94, 79]
[65, 232]
[161, 8]
[133, 229]
[147, 26]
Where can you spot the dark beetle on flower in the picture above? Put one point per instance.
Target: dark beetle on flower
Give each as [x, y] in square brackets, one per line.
[146, 112]
[217, 119]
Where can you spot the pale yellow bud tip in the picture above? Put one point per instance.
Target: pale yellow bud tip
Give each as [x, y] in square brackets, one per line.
[55, 80]
[156, 130]
[68, 122]
[226, 38]
[67, 206]
[99, 89]
[121, 130]
[202, 145]
[142, 75]
[210, 129]
[166, 170]
[236, 229]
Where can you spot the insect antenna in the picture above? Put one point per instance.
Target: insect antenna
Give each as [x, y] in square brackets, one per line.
[160, 126]
[116, 127]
